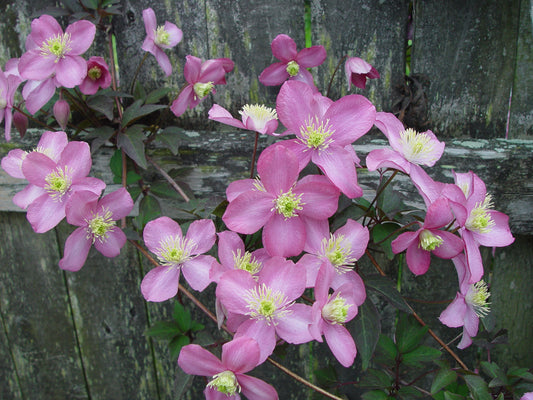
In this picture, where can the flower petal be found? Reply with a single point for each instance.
(249, 212)
(82, 35)
(77, 248)
(157, 230)
(196, 271)
(195, 360)
(254, 388)
(341, 344)
(112, 244)
(202, 232)
(284, 236)
(71, 71)
(160, 283)
(240, 355)
(283, 48)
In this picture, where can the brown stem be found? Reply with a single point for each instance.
(378, 193)
(375, 263)
(124, 181)
(29, 116)
(335, 72)
(169, 179)
(137, 72)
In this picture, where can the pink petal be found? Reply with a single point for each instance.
(43, 28)
(263, 333)
(356, 235)
(80, 206)
(54, 143)
(12, 163)
(27, 196)
(77, 157)
(150, 22)
(229, 244)
(278, 170)
(195, 360)
(337, 164)
(404, 241)
(196, 271)
(236, 188)
(499, 235)
(284, 48)
(254, 388)
(341, 344)
(39, 95)
(163, 61)
(202, 232)
(249, 212)
(111, 245)
(240, 355)
(179, 106)
(34, 66)
(294, 328)
(387, 158)
(311, 264)
(294, 105)
(453, 315)
(192, 68)
(284, 237)
(160, 283)
(220, 114)
(118, 202)
(473, 256)
(391, 128)
(231, 290)
(451, 246)
(319, 196)
(417, 259)
(71, 71)
(82, 35)
(36, 167)
(45, 213)
(77, 248)
(157, 230)
(274, 75)
(311, 56)
(282, 275)
(174, 35)
(438, 215)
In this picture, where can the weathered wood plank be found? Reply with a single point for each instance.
(9, 382)
(356, 28)
(36, 314)
(466, 51)
(521, 118)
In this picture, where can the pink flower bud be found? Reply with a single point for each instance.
(62, 113)
(21, 123)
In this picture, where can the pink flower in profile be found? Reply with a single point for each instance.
(201, 79)
(429, 239)
(292, 63)
(266, 305)
(8, 87)
(50, 52)
(98, 76)
(62, 113)
(357, 71)
(159, 38)
(325, 131)
(469, 304)
(164, 238)
(286, 208)
(408, 146)
(54, 182)
(255, 117)
(331, 312)
(228, 377)
(95, 219)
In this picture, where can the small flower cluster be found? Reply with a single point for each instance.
(259, 292)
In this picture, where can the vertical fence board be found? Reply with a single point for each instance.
(521, 122)
(9, 382)
(363, 28)
(34, 305)
(466, 52)
(110, 317)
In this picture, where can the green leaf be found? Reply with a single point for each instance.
(390, 202)
(136, 111)
(164, 330)
(139, 92)
(388, 350)
(385, 287)
(409, 392)
(496, 373)
(375, 395)
(522, 373)
(182, 317)
(367, 331)
(149, 209)
(115, 164)
(90, 4)
(176, 344)
(442, 379)
(132, 142)
(164, 190)
(420, 355)
(135, 192)
(409, 333)
(220, 209)
(453, 396)
(102, 104)
(156, 95)
(478, 387)
(326, 376)
(376, 379)
(383, 234)
(171, 137)
(196, 326)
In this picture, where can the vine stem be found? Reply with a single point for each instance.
(169, 179)
(334, 73)
(213, 317)
(137, 72)
(378, 193)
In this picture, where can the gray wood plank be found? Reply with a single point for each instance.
(465, 50)
(9, 382)
(36, 313)
(356, 28)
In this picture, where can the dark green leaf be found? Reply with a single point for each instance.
(182, 317)
(390, 202)
(387, 349)
(101, 135)
(478, 387)
(164, 190)
(420, 355)
(375, 395)
(139, 92)
(385, 287)
(135, 192)
(171, 137)
(156, 95)
(326, 376)
(520, 373)
(136, 111)
(367, 331)
(376, 379)
(90, 4)
(163, 330)
(220, 209)
(409, 392)
(453, 396)
(176, 344)
(496, 373)
(196, 326)
(149, 209)
(409, 333)
(116, 164)
(384, 235)
(132, 142)
(102, 104)
(442, 379)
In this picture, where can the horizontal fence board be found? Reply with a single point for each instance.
(464, 53)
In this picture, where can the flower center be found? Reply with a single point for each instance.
(480, 219)
(336, 310)
(162, 37)
(225, 382)
(316, 134)
(57, 183)
(203, 89)
(338, 252)
(417, 147)
(175, 250)
(477, 297)
(94, 73)
(429, 241)
(259, 114)
(99, 225)
(56, 46)
(246, 262)
(265, 304)
(288, 203)
(292, 68)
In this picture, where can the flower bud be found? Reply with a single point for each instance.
(21, 123)
(62, 113)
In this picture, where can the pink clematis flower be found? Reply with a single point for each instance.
(159, 38)
(292, 63)
(286, 208)
(8, 87)
(164, 238)
(357, 71)
(331, 312)
(98, 76)
(429, 239)
(54, 182)
(469, 304)
(325, 131)
(50, 52)
(408, 146)
(228, 377)
(267, 305)
(95, 219)
(527, 396)
(255, 117)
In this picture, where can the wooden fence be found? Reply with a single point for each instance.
(81, 335)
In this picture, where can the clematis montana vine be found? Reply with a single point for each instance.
(292, 63)
(227, 375)
(98, 76)
(325, 131)
(95, 219)
(164, 238)
(357, 71)
(255, 117)
(286, 208)
(159, 38)
(201, 79)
